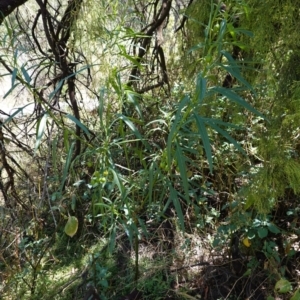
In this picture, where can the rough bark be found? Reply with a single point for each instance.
(8, 6)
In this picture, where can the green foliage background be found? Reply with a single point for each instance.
(173, 149)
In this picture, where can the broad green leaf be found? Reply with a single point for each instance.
(205, 140)
(41, 126)
(262, 232)
(283, 286)
(296, 295)
(72, 226)
(273, 228)
(78, 123)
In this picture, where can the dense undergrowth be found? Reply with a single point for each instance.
(181, 183)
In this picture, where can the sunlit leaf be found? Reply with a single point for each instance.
(72, 226)
(283, 286)
(41, 126)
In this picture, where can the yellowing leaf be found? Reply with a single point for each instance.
(246, 242)
(71, 226)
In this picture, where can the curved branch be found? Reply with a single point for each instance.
(164, 12)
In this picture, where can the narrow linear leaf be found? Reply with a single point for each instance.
(244, 31)
(78, 123)
(181, 162)
(101, 105)
(228, 137)
(205, 141)
(236, 98)
(200, 88)
(197, 47)
(112, 239)
(14, 76)
(223, 27)
(175, 127)
(40, 131)
(15, 113)
(219, 122)
(66, 134)
(234, 71)
(10, 90)
(58, 86)
(135, 131)
(151, 181)
(132, 98)
(26, 75)
(60, 83)
(177, 205)
(118, 182)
